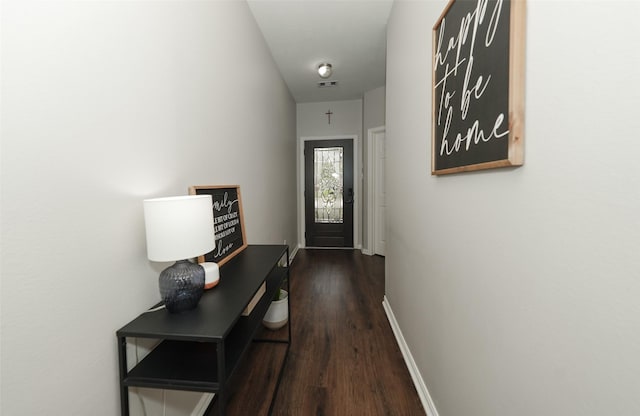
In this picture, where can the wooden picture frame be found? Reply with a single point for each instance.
(228, 221)
(478, 86)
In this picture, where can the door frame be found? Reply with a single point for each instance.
(371, 175)
(357, 179)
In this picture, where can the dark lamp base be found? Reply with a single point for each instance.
(181, 286)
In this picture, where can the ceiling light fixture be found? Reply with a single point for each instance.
(324, 70)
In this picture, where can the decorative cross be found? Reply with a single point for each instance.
(328, 113)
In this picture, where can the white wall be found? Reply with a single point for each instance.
(105, 104)
(373, 108)
(518, 290)
(346, 120)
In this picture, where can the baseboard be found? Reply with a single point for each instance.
(202, 404)
(367, 252)
(292, 255)
(418, 382)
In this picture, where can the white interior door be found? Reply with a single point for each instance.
(380, 199)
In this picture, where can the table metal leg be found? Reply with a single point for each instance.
(124, 390)
(222, 399)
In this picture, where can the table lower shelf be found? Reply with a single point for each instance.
(178, 365)
(184, 365)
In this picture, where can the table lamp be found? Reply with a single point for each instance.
(178, 229)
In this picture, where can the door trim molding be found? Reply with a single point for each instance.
(371, 154)
(357, 180)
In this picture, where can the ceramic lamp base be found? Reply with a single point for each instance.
(181, 286)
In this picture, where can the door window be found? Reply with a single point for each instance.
(328, 184)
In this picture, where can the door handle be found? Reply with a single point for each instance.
(349, 197)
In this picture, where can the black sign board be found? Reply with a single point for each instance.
(478, 86)
(228, 222)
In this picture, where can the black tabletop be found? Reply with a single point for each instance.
(219, 307)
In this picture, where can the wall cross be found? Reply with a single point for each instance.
(328, 113)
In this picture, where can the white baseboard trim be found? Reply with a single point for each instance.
(292, 255)
(418, 382)
(367, 252)
(202, 404)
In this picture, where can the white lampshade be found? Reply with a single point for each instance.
(179, 227)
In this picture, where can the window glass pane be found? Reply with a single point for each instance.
(328, 183)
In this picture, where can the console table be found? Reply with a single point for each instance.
(200, 349)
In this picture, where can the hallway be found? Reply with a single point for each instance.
(344, 359)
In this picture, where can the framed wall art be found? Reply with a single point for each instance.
(478, 86)
(228, 221)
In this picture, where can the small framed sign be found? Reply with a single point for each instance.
(478, 86)
(228, 221)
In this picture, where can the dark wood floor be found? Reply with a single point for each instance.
(344, 360)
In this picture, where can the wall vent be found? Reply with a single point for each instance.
(327, 84)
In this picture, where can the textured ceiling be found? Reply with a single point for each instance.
(349, 34)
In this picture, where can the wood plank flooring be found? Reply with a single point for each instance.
(344, 360)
